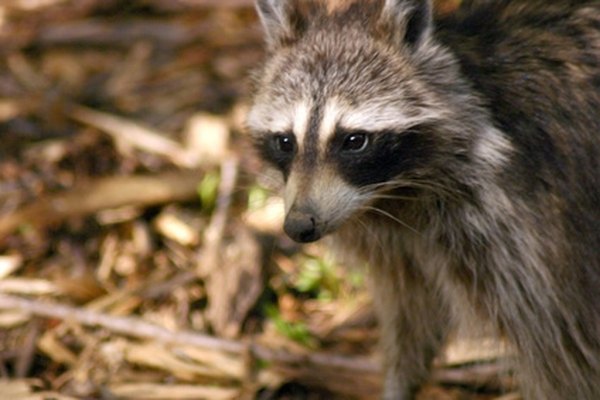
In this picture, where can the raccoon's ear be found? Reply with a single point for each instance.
(280, 19)
(411, 21)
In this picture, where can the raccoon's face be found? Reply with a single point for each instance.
(335, 110)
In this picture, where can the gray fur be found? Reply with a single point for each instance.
(486, 210)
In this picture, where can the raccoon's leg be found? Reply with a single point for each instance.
(413, 328)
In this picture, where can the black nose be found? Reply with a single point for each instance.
(302, 226)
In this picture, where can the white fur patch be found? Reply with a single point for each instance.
(291, 191)
(334, 108)
(300, 122)
(265, 117)
(378, 116)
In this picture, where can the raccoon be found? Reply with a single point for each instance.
(459, 158)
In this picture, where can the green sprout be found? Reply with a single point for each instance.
(208, 190)
(319, 277)
(296, 331)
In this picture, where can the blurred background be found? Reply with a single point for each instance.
(141, 252)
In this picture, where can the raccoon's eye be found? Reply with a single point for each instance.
(284, 143)
(355, 142)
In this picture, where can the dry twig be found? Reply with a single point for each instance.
(213, 235)
(131, 134)
(314, 368)
(140, 329)
(103, 194)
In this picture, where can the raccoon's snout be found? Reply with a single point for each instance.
(302, 225)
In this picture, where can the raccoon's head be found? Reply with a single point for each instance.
(345, 105)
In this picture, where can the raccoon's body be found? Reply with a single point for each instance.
(460, 159)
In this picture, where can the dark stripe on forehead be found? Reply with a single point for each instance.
(310, 153)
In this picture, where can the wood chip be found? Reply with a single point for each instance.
(28, 286)
(160, 357)
(13, 318)
(178, 227)
(27, 389)
(207, 136)
(228, 364)
(9, 264)
(464, 351)
(150, 391)
(57, 351)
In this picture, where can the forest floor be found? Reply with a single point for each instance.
(141, 253)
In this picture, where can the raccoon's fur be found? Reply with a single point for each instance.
(460, 159)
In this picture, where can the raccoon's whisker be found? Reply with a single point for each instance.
(396, 183)
(369, 232)
(392, 217)
(432, 187)
(262, 179)
(435, 185)
(427, 185)
(383, 196)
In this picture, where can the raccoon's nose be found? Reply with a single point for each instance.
(302, 226)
